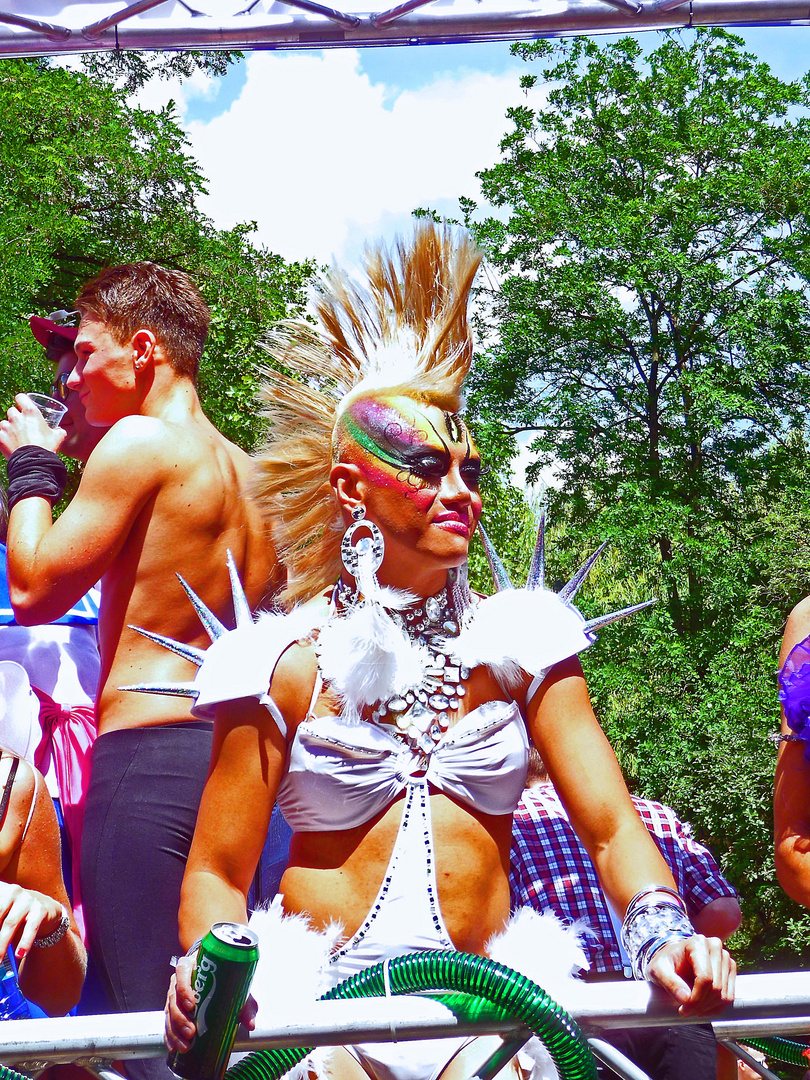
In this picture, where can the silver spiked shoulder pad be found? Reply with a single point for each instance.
(526, 631)
(239, 663)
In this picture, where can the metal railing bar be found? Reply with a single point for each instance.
(386, 17)
(332, 14)
(616, 1061)
(431, 24)
(48, 30)
(625, 5)
(500, 1056)
(749, 1059)
(94, 29)
(103, 1070)
(667, 5)
(637, 1004)
(750, 1029)
(764, 1002)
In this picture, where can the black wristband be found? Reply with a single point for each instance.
(33, 470)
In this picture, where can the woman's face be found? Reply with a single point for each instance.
(421, 469)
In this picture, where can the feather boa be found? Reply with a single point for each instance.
(293, 970)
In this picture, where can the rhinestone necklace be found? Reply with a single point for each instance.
(420, 717)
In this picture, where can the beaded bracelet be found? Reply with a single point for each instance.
(655, 916)
(55, 936)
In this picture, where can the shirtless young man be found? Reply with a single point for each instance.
(163, 491)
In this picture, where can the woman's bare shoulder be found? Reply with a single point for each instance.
(23, 791)
(797, 628)
(296, 672)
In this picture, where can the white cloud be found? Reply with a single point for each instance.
(312, 151)
(157, 92)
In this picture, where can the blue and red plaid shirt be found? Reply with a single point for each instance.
(550, 869)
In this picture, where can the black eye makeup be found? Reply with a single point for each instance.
(471, 471)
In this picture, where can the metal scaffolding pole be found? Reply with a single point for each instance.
(765, 1004)
(296, 24)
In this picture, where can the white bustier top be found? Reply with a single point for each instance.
(341, 774)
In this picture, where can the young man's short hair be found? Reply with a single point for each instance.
(143, 295)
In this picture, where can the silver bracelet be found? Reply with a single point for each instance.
(655, 916)
(57, 935)
(649, 950)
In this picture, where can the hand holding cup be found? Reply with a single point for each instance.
(28, 425)
(51, 408)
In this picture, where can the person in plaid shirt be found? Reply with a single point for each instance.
(550, 870)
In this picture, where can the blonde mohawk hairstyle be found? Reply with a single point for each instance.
(404, 332)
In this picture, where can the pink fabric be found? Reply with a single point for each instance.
(68, 735)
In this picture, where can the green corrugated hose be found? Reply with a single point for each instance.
(516, 996)
(792, 1053)
(9, 1074)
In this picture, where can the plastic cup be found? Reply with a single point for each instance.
(51, 409)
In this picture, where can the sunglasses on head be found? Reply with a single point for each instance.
(60, 388)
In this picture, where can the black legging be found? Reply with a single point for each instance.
(145, 790)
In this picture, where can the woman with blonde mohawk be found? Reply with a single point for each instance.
(389, 711)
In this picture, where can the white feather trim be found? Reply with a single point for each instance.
(293, 961)
(538, 946)
(395, 599)
(521, 630)
(315, 1066)
(546, 951)
(541, 947)
(367, 658)
(374, 593)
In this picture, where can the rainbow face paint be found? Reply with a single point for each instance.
(420, 470)
(394, 438)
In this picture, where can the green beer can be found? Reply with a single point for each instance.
(226, 960)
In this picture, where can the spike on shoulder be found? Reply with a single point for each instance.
(241, 607)
(175, 689)
(569, 591)
(592, 625)
(537, 571)
(497, 569)
(213, 626)
(189, 652)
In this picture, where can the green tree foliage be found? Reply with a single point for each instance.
(652, 331)
(87, 180)
(131, 70)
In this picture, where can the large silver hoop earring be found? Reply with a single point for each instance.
(364, 542)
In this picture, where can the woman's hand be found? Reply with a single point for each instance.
(27, 915)
(698, 972)
(180, 1005)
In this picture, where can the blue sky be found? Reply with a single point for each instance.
(783, 48)
(326, 150)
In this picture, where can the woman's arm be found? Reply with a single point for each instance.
(582, 765)
(791, 802)
(32, 898)
(247, 758)
(247, 762)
